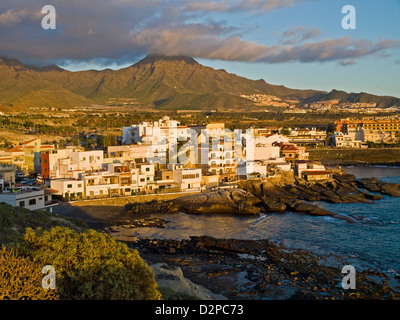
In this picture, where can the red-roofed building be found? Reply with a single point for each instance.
(291, 152)
(27, 156)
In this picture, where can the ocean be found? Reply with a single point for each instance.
(373, 242)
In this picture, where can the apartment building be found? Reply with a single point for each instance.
(29, 153)
(307, 137)
(370, 130)
(370, 124)
(29, 198)
(217, 153)
(119, 179)
(341, 140)
(69, 189)
(188, 179)
(164, 129)
(70, 162)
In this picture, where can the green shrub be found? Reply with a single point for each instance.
(21, 279)
(91, 265)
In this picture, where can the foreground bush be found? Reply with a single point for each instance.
(21, 279)
(91, 265)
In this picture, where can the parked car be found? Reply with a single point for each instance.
(31, 182)
(25, 180)
(19, 175)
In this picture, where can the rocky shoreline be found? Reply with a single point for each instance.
(258, 269)
(253, 197)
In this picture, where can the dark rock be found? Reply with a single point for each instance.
(234, 201)
(273, 206)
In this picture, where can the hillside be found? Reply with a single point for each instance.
(160, 82)
(342, 96)
(15, 220)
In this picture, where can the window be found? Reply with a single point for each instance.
(79, 185)
(69, 186)
(22, 203)
(147, 169)
(32, 202)
(148, 178)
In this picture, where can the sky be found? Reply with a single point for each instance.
(297, 43)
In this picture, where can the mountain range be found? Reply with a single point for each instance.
(160, 82)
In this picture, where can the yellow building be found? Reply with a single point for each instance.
(30, 152)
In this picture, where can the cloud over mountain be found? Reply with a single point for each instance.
(123, 30)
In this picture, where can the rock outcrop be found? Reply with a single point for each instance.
(375, 185)
(235, 201)
(172, 277)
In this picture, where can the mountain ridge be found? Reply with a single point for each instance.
(161, 82)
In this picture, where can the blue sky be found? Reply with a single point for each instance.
(374, 74)
(296, 43)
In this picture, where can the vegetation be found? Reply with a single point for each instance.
(21, 279)
(15, 220)
(89, 264)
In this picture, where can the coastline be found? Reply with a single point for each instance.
(231, 267)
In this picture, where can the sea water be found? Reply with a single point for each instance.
(373, 242)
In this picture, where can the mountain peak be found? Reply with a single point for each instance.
(154, 58)
(9, 62)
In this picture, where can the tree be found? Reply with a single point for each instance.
(91, 265)
(285, 131)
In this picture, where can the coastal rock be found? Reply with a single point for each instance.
(390, 189)
(172, 277)
(273, 206)
(375, 185)
(234, 201)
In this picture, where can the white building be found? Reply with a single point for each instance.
(69, 189)
(307, 166)
(260, 152)
(342, 140)
(188, 179)
(160, 131)
(70, 162)
(29, 198)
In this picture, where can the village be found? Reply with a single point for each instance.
(166, 157)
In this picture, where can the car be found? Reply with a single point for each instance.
(31, 182)
(19, 175)
(25, 180)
